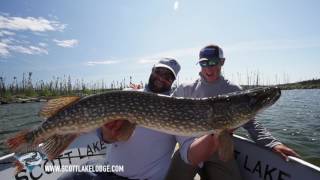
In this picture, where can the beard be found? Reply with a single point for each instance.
(157, 86)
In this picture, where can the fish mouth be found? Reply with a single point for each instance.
(261, 98)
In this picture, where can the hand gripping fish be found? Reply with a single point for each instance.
(68, 117)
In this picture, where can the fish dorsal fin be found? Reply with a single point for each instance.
(55, 105)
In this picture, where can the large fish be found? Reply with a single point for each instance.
(67, 117)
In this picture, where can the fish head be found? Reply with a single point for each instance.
(261, 98)
(232, 110)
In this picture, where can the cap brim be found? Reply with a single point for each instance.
(206, 59)
(168, 67)
(203, 59)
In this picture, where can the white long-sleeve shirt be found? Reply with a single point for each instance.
(147, 153)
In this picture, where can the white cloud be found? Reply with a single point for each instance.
(31, 50)
(43, 44)
(6, 33)
(7, 47)
(4, 49)
(176, 5)
(38, 50)
(8, 40)
(15, 42)
(30, 23)
(147, 61)
(93, 63)
(66, 43)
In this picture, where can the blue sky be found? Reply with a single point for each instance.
(112, 40)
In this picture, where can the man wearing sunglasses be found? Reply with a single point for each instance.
(212, 83)
(147, 153)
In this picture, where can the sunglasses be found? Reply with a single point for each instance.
(209, 63)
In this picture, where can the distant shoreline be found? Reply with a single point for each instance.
(310, 84)
(22, 100)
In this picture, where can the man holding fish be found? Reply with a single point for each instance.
(147, 154)
(157, 117)
(212, 83)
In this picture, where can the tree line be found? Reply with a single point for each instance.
(57, 86)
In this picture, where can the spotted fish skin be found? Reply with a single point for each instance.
(178, 116)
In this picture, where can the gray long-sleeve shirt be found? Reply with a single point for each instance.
(201, 88)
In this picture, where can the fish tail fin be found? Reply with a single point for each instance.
(226, 146)
(20, 140)
(56, 144)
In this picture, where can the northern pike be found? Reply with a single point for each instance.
(67, 117)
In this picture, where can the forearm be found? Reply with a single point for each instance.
(260, 134)
(202, 149)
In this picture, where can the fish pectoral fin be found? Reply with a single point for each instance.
(126, 131)
(226, 146)
(21, 141)
(19, 166)
(56, 144)
(55, 105)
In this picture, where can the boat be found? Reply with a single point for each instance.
(255, 162)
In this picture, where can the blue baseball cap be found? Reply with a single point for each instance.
(211, 52)
(169, 63)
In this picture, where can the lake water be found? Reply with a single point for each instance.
(294, 120)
